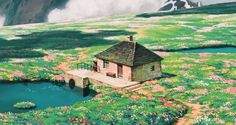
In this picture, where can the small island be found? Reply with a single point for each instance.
(25, 105)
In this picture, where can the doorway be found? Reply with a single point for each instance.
(120, 71)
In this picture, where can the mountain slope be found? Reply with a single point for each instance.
(223, 8)
(27, 11)
(172, 5)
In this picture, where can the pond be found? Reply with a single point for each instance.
(43, 94)
(210, 50)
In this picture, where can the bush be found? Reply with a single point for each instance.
(25, 105)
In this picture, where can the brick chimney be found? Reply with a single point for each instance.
(131, 38)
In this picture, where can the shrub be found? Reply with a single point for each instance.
(25, 105)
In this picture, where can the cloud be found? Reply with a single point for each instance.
(2, 20)
(78, 9)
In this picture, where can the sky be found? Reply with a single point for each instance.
(78, 9)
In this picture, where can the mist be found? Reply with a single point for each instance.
(79, 9)
(2, 20)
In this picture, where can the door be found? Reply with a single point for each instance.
(95, 66)
(120, 71)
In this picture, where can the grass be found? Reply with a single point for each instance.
(45, 51)
(25, 105)
(118, 109)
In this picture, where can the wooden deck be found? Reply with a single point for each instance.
(82, 77)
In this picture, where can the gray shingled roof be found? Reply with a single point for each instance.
(129, 53)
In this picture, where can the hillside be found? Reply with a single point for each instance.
(223, 8)
(28, 11)
(201, 83)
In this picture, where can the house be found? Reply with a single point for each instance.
(130, 61)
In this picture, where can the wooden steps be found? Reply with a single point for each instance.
(133, 88)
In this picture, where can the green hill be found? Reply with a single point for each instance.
(223, 8)
(203, 83)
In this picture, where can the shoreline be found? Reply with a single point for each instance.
(30, 81)
(194, 48)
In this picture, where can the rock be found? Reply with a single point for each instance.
(172, 5)
(230, 90)
(1, 115)
(179, 88)
(158, 88)
(28, 11)
(134, 98)
(201, 91)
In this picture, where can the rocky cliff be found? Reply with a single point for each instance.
(28, 11)
(172, 5)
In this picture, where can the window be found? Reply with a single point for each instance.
(153, 68)
(105, 64)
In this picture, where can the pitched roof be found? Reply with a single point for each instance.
(129, 53)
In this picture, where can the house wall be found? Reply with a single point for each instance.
(144, 73)
(113, 68)
(127, 73)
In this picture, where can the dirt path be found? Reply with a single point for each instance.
(188, 119)
(194, 109)
(82, 55)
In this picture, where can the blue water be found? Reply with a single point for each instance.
(43, 94)
(211, 50)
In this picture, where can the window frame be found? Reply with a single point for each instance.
(105, 64)
(153, 68)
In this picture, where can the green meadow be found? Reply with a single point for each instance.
(44, 51)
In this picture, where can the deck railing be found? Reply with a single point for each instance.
(86, 66)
